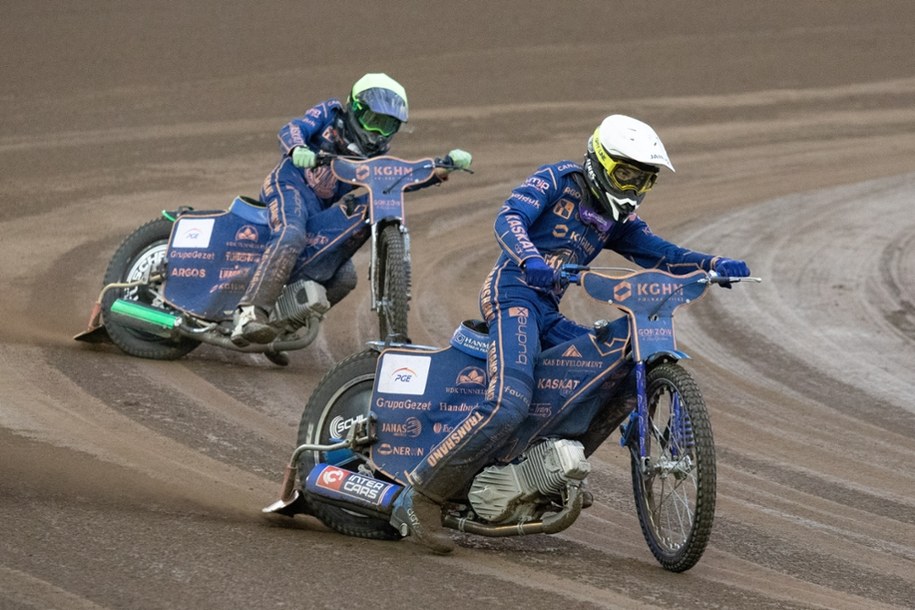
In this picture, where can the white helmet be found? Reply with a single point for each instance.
(622, 164)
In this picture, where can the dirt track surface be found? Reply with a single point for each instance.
(127, 483)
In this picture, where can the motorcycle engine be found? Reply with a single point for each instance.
(300, 301)
(515, 492)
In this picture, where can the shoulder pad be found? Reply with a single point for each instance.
(567, 167)
(560, 168)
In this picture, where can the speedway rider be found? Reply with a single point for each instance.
(307, 208)
(563, 213)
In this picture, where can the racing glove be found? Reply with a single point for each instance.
(727, 267)
(537, 273)
(303, 157)
(460, 158)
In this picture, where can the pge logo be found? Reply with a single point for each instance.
(622, 291)
(403, 375)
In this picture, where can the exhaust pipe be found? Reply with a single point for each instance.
(551, 524)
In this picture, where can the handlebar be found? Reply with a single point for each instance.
(447, 163)
(714, 278)
(571, 274)
(325, 158)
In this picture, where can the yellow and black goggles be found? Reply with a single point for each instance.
(625, 175)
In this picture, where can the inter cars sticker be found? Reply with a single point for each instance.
(404, 374)
(332, 482)
(193, 233)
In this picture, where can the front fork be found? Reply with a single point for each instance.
(634, 433)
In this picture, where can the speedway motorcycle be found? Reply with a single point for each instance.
(378, 413)
(175, 282)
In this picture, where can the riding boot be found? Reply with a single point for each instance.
(251, 320)
(421, 517)
(250, 325)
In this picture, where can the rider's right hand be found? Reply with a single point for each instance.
(727, 267)
(538, 274)
(303, 157)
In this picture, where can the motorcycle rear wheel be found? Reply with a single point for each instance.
(675, 495)
(142, 250)
(344, 393)
(393, 284)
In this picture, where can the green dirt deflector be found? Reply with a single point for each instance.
(145, 313)
(144, 317)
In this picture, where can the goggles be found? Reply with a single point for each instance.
(384, 124)
(625, 175)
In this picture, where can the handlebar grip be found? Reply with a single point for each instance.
(447, 162)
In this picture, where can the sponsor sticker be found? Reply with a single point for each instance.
(404, 374)
(193, 233)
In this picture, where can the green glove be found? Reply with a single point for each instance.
(460, 158)
(303, 157)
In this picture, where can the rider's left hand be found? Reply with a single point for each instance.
(461, 159)
(538, 274)
(303, 157)
(727, 267)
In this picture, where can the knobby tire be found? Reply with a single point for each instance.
(393, 284)
(139, 250)
(676, 511)
(343, 393)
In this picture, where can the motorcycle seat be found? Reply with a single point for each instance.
(472, 338)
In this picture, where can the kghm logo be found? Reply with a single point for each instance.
(246, 233)
(362, 172)
(655, 289)
(622, 291)
(392, 170)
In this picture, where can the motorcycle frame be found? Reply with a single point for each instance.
(381, 177)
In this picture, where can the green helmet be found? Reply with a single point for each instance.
(375, 109)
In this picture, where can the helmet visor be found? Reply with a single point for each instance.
(628, 177)
(373, 121)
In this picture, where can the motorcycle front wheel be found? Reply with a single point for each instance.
(142, 251)
(674, 486)
(343, 394)
(392, 283)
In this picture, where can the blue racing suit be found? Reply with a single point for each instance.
(313, 234)
(540, 218)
